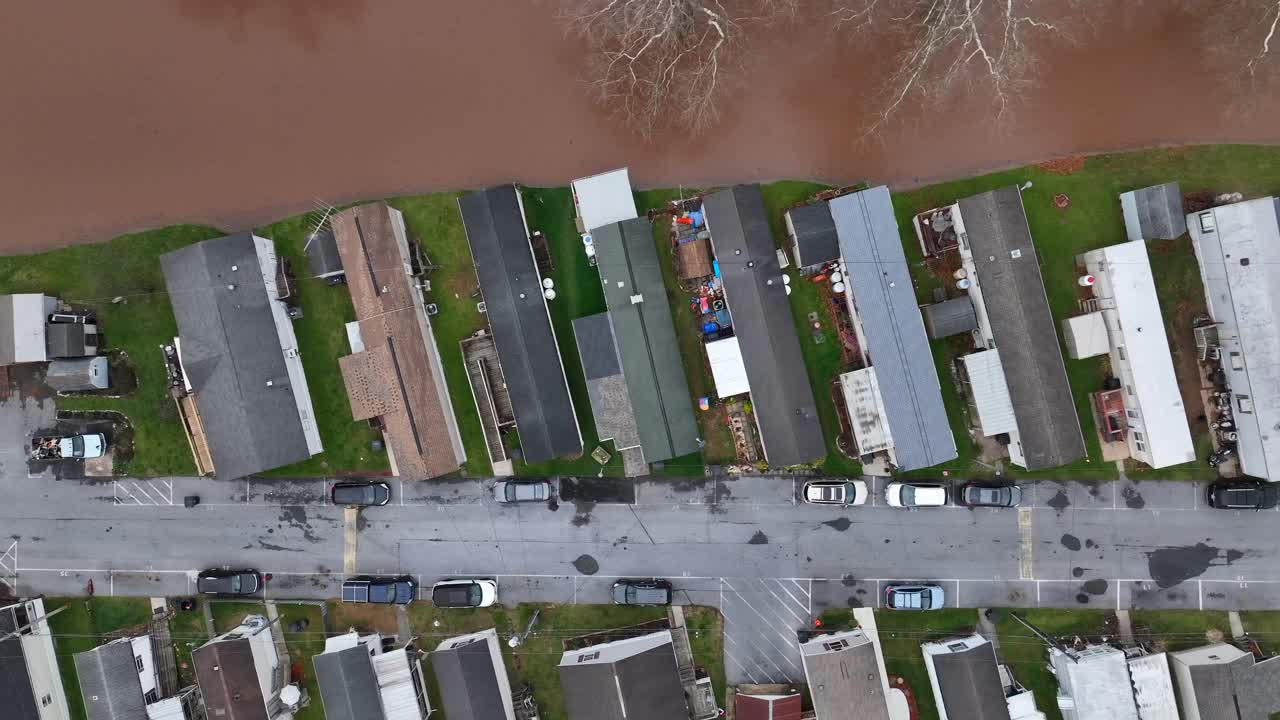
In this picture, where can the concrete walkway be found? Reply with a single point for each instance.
(1237, 625)
(1125, 625)
(987, 629)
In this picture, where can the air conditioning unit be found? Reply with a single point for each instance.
(480, 307)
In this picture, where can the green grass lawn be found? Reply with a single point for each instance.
(902, 633)
(1174, 630)
(717, 439)
(82, 626)
(322, 339)
(1027, 656)
(188, 630)
(578, 294)
(435, 222)
(1265, 628)
(304, 645)
(706, 638)
(228, 614)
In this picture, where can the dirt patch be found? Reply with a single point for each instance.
(1064, 166)
(363, 618)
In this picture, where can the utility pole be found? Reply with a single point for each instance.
(1046, 638)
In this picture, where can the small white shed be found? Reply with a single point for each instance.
(603, 199)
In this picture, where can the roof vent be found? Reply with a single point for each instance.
(1015, 253)
(231, 286)
(235, 268)
(1244, 261)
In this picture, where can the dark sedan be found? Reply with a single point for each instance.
(361, 494)
(1243, 495)
(229, 582)
(983, 495)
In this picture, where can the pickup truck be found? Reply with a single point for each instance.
(54, 447)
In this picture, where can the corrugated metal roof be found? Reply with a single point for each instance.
(885, 302)
(1124, 275)
(1095, 685)
(1240, 266)
(396, 687)
(990, 392)
(640, 314)
(521, 323)
(1154, 213)
(781, 396)
(865, 408)
(1008, 273)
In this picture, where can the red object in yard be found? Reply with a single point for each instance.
(817, 622)
(819, 277)
(684, 221)
(704, 305)
(267, 577)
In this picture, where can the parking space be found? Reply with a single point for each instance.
(142, 492)
(761, 619)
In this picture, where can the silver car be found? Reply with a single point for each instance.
(915, 597)
(514, 491)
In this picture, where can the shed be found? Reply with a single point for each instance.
(23, 318)
(1086, 336)
(950, 317)
(844, 677)
(813, 236)
(1154, 213)
(79, 374)
(472, 677)
(865, 408)
(767, 707)
(965, 677)
(72, 340)
(727, 369)
(990, 392)
(603, 199)
(323, 257)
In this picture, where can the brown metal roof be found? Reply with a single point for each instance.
(767, 707)
(228, 680)
(401, 358)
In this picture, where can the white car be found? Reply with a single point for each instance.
(835, 492)
(464, 593)
(915, 494)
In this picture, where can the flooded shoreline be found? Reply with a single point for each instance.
(237, 112)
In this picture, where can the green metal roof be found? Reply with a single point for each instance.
(641, 315)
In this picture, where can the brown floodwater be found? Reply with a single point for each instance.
(126, 115)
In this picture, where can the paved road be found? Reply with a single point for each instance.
(743, 545)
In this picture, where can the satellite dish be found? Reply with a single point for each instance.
(290, 695)
(836, 277)
(548, 283)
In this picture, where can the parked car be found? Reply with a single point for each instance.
(915, 494)
(381, 590)
(835, 492)
(360, 494)
(984, 495)
(58, 447)
(513, 491)
(642, 592)
(914, 597)
(464, 593)
(1243, 495)
(229, 582)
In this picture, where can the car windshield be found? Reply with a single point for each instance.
(908, 495)
(510, 491)
(236, 583)
(77, 445)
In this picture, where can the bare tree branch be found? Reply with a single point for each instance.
(665, 62)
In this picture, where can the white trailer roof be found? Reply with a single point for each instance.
(990, 393)
(604, 199)
(865, 406)
(1129, 281)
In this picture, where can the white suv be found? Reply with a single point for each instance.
(915, 494)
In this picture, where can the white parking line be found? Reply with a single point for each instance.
(149, 492)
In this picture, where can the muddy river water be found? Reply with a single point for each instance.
(118, 116)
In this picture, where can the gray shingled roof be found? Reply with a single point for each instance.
(845, 684)
(230, 350)
(348, 684)
(109, 683)
(521, 324)
(66, 340)
(323, 257)
(885, 298)
(780, 392)
(1258, 690)
(16, 695)
(1154, 213)
(647, 684)
(950, 317)
(969, 682)
(610, 398)
(646, 338)
(468, 680)
(1024, 329)
(815, 234)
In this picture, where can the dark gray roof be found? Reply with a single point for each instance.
(815, 234)
(950, 317)
(348, 685)
(969, 682)
(468, 680)
(845, 683)
(646, 338)
(521, 324)
(109, 683)
(1154, 213)
(1025, 332)
(1236, 690)
(885, 299)
(596, 346)
(323, 257)
(66, 340)
(16, 695)
(230, 350)
(647, 684)
(229, 681)
(1258, 689)
(780, 392)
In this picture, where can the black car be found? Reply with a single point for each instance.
(380, 590)
(984, 495)
(1243, 495)
(642, 592)
(229, 582)
(361, 494)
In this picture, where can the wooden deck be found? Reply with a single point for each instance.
(489, 390)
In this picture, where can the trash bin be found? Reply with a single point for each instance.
(191, 501)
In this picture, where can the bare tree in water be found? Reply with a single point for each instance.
(1244, 34)
(662, 63)
(948, 46)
